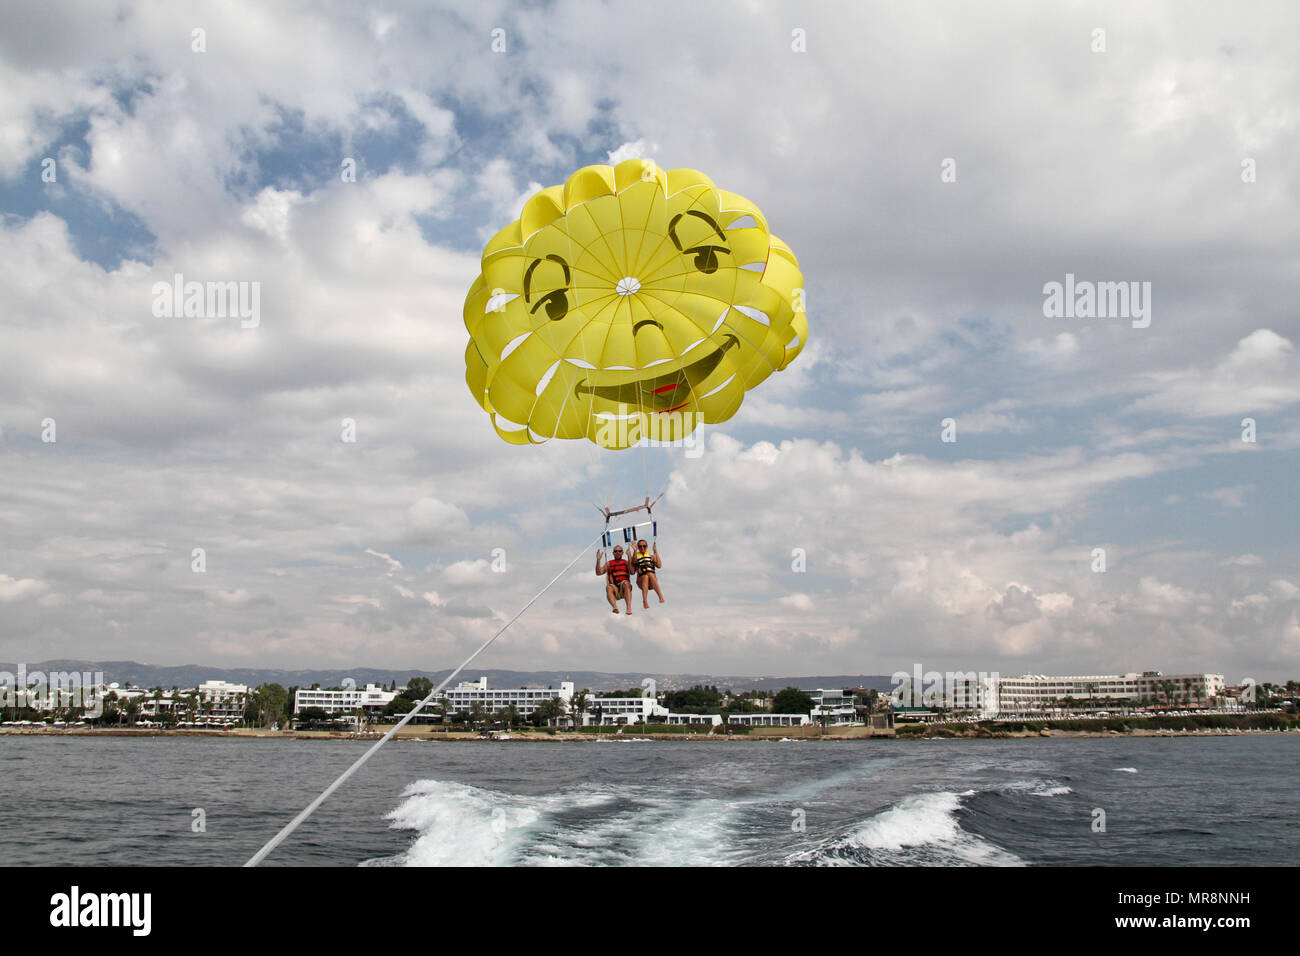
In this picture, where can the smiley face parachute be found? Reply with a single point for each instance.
(629, 303)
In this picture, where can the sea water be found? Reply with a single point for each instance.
(1165, 801)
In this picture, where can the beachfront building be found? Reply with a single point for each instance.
(621, 710)
(974, 694)
(345, 700)
(712, 720)
(155, 704)
(220, 702)
(463, 697)
(769, 720)
(1036, 693)
(833, 706)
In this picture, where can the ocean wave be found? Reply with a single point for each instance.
(461, 825)
(1126, 769)
(920, 830)
(1036, 788)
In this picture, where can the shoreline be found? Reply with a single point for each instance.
(249, 733)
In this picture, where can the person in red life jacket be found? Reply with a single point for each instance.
(646, 563)
(618, 574)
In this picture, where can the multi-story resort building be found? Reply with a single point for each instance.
(525, 700)
(609, 711)
(621, 710)
(1033, 693)
(832, 706)
(344, 701)
(221, 702)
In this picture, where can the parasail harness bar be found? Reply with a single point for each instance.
(647, 507)
(629, 533)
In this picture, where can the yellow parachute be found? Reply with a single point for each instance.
(629, 303)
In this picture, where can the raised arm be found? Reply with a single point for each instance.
(600, 561)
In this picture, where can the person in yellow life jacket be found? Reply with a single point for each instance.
(618, 574)
(646, 563)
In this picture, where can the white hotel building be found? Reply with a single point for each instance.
(525, 700)
(1033, 693)
(599, 710)
(770, 720)
(621, 710)
(835, 706)
(372, 697)
(221, 702)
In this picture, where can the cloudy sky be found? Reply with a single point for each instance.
(932, 167)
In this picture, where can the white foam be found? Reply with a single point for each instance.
(696, 834)
(1037, 788)
(914, 821)
(1126, 769)
(467, 826)
(918, 830)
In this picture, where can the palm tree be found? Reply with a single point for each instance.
(579, 706)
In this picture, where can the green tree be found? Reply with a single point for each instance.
(792, 701)
(417, 688)
(314, 716)
(579, 706)
(698, 700)
(269, 703)
(547, 710)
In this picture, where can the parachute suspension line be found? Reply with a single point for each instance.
(645, 476)
(293, 824)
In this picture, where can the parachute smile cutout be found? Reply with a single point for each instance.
(663, 392)
(629, 292)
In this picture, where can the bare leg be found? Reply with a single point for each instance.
(645, 590)
(627, 595)
(654, 583)
(609, 596)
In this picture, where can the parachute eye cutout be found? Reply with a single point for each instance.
(706, 256)
(557, 301)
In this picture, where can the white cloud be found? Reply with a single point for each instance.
(796, 602)
(15, 589)
(464, 573)
(1261, 374)
(393, 564)
(200, 433)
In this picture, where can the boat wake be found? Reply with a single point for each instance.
(604, 824)
(921, 830)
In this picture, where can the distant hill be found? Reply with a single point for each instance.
(189, 675)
